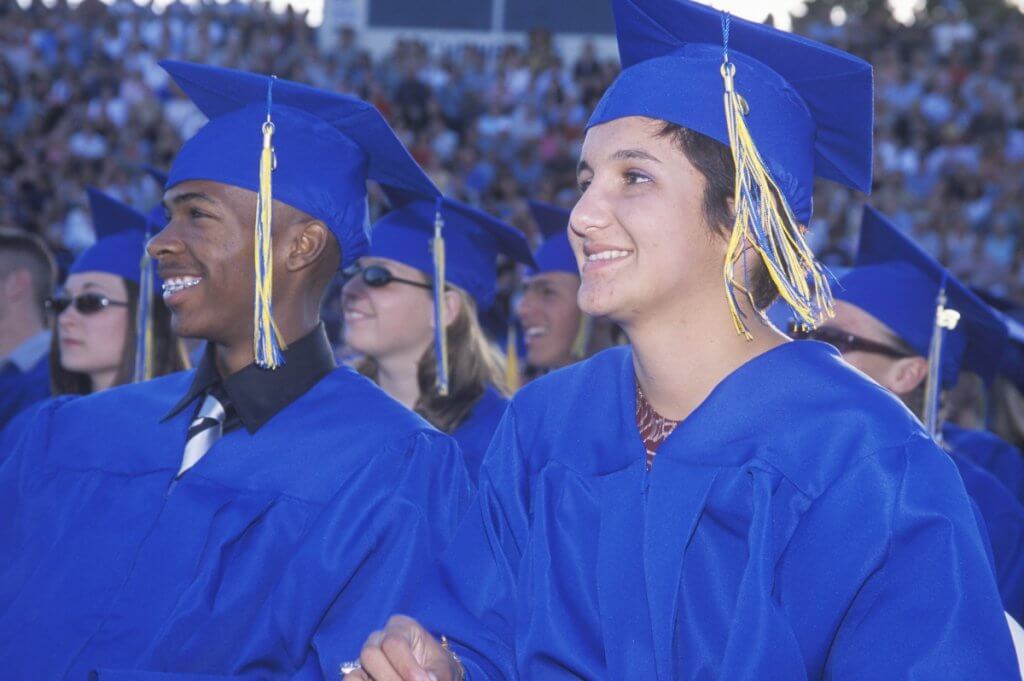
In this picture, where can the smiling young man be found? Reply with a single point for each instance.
(217, 522)
(555, 331)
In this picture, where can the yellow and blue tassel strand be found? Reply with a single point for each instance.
(143, 370)
(581, 341)
(267, 342)
(512, 358)
(765, 222)
(440, 318)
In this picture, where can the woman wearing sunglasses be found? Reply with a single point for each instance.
(712, 501)
(97, 338)
(391, 319)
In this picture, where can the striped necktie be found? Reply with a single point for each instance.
(206, 428)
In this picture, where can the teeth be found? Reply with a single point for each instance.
(535, 331)
(175, 284)
(607, 255)
(352, 315)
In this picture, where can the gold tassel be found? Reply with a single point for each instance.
(267, 342)
(144, 320)
(765, 222)
(582, 340)
(512, 358)
(440, 318)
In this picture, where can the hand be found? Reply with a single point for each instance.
(404, 651)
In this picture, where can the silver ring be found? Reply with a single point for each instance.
(349, 667)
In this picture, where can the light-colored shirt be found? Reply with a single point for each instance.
(28, 354)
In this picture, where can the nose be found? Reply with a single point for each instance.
(166, 242)
(590, 213)
(526, 306)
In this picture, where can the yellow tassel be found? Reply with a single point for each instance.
(512, 358)
(765, 222)
(144, 321)
(267, 341)
(440, 318)
(582, 339)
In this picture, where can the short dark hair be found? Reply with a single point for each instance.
(19, 249)
(714, 161)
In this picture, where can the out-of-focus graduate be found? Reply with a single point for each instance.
(216, 521)
(110, 327)
(556, 332)
(889, 325)
(714, 500)
(411, 307)
(28, 275)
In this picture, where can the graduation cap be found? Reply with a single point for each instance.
(465, 255)
(554, 253)
(156, 215)
(121, 236)
(308, 148)
(794, 109)
(906, 289)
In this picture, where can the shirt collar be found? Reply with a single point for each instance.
(256, 394)
(31, 350)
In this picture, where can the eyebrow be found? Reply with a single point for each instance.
(633, 154)
(621, 155)
(189, 196)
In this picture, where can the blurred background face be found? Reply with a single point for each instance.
(638, 230)
(550, 318)
(93, 344)
(899, 375)
(391, 321)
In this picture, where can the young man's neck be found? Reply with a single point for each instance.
(232, 358)
(398, 376)
(16, 328)
(681, 354)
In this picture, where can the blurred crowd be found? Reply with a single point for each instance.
(83, 101)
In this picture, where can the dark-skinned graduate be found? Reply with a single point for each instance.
(713, 500)
(214, 522)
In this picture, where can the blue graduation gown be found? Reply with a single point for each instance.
(1003, 523)
(19, 390)
(991, 452)
(799, 524)
(322, 518)
(475, 433)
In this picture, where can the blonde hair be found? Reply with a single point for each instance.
(473, 365)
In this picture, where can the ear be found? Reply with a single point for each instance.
(309, 241)
(908, 373)
(452, 307)
(17, 284)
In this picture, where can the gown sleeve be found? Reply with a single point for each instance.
(931, 609)
(471, 598)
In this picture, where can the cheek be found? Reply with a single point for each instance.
(565, 319)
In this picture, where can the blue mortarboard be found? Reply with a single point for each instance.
(898, 283)
(120, 238)
(156, 215)
(308, 148)
(554, 254)
(473, 241)
(793, 109)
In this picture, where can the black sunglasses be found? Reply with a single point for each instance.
(85, 303)
(376, 276)
(844, 342)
